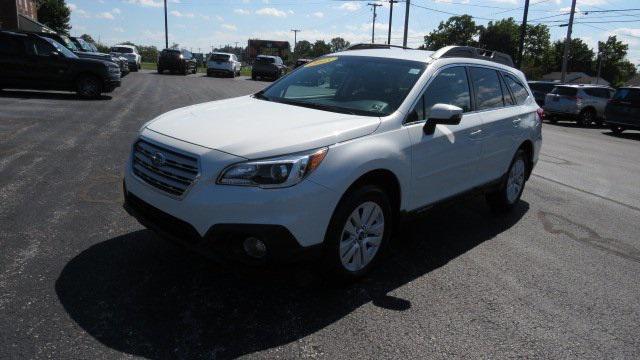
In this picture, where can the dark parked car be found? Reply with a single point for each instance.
(85, 50)
(29, 61)
(301, 62)
(541, 89)
(177, 61)
(268, 67)
(623, 110)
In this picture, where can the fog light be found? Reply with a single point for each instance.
(255, 247)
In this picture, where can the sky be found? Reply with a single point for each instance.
(200, 24)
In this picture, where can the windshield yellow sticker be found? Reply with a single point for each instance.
(322, 61)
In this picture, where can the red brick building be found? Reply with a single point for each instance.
(20, 15)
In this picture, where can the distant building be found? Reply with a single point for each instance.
(268, 47)
(575, 78)
(20, 15)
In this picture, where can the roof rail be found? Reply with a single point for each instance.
(474, 53)
(366, 46)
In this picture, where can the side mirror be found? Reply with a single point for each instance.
(442, 114)
(55, 54)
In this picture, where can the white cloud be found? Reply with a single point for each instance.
(241, 11)
(116, 11)
(350, 6)
(219, 18)
(72, 7)
(118, 29)
(146, 3)
(180, 14)
(105, 15)
(318, 14)
(229, 27)
(271, 12)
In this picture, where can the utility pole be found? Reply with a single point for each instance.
(166, 27)
(373, 25)
(391, 2)
(567, 43)
(599, 67)
(406, 22)
(523, 32)
(295, 41)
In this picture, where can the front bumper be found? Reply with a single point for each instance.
(112, 84)
(299, 214)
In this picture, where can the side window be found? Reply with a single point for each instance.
(506, 96)
(10, 46)
(43, 48)
(486, 85)
(450, 86)
(517, 89)
(417, 114)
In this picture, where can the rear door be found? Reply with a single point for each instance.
(51, 69)
(624, 108)
(563, 99)
(13, 64)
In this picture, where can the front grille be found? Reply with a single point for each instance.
(164, 169)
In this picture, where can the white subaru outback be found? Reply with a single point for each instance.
(331, 156)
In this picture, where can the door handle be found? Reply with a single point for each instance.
(517, 121)
(476, 132)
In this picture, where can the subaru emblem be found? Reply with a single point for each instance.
(158, 159)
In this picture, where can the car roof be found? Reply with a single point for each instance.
(125, 46)
(390, 53)
(220, 53)
(582, 86)
(268, 56)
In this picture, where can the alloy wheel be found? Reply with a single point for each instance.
(515, 182)
(361, 236)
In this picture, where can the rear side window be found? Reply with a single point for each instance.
(517, 89)
(265, 60)
(506, 96)
(628, 95)
(566, 91)
(486, 86)
(10, 46)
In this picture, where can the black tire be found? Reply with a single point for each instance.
(334, 236)
(552, 120)
(195, 70)
(253, 77)
(587, 117)
(160, 70)
(617, 129)
(88, 87)
(135, 68)
(499, 200)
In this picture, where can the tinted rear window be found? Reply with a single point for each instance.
(124, 50)
(486, 84)
(265, 60)
(566, 91)
(220, 57)
(629, 95)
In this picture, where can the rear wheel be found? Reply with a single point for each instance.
(160, 70)
(587, 116)
(507, 196)
(89, 87)
(358, 232)
(616, 129)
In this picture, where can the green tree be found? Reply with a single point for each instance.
(338, 44)
(615, 68)
(303, 49)
(580, 56)
(320, 48)
(148, 53)
(502, 35)
(457, 30)
(537, 56)
(87, 38)
(54, 14)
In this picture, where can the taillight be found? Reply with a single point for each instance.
(540, 113)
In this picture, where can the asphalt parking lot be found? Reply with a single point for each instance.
(79, 278)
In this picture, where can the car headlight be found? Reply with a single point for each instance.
(278, 172)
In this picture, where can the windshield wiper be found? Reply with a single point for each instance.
(323, 107)
(260, 95)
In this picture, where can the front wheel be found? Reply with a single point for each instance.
(586, 117)
(358, 232)
(507, 196)
(616, 129)
(89, 87)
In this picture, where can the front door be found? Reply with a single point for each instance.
(444, 163)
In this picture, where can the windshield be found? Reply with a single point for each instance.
(123, 50)
(350, 84)
(68, 43)
(84, 45)
(219, 57)
(61, 49)
(265, 60)
(168, 52)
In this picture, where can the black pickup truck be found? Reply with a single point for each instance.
(30, 61)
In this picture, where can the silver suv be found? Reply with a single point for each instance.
(583, 103)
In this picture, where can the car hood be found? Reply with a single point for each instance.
(92, 55)
(253, 128)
